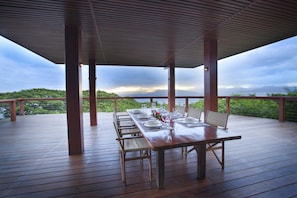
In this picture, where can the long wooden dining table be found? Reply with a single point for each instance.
(182, 135)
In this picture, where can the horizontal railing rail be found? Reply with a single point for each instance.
(279, 101)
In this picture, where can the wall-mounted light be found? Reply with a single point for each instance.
(205, 68)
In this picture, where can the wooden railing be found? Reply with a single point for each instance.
(281, 102)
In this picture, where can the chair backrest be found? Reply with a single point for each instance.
(216, 119)
(116, 127)
(194, 112)
(115, 117)
(181, 109)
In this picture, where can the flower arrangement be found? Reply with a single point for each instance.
(157, 115)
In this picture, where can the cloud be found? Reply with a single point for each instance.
(114, 76)
(22, 69)
(119, 79)
(273, 64)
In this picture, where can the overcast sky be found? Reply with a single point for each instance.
(271, 65)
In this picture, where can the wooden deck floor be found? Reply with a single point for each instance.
(34, 162)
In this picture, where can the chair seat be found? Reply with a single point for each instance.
(134, 144)
(129, 131)
(126, 123)
(123, 116)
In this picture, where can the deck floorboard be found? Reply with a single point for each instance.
(34, 162)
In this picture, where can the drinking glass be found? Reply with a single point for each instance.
(164, 118)
(143, 106)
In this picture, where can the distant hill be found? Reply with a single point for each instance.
(261, 91)
(163, 93)
(47, 93)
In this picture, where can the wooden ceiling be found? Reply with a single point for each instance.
(147, 33)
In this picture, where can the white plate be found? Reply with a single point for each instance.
(143, 116)
(190, 120)
(153, 123)
(180, 120)
(137, 111)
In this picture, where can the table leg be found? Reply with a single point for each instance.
(201, 160)
(160, 173)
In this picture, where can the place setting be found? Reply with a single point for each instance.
(190, 122)
(143, 116)
(153, 123)
(137, 111)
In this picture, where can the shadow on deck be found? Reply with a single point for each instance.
(34, 162)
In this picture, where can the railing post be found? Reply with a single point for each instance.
(22, 107)
(13, 110)
(228, 105)
(115, 104)
(281, 113)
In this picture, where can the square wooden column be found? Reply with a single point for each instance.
(74, 90)
(92, 91)
(210, 75)
(171, 86)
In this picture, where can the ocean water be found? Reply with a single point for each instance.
(179, 101)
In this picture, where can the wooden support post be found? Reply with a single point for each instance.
(92, 88)
(187, 105)
(74, 90)
(210, 74)
(171, 86)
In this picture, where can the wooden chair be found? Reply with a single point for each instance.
(123, 128)
(136, 145)
(218, 120)
(123, 121)
(122, 115)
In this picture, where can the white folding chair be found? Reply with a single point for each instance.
(135, 144)
(181, 109)
(123, 121)
(194, 113)
(125, 127)
(218, 120)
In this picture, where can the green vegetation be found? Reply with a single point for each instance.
(257, 108)
(247, 107)
(59, 106)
